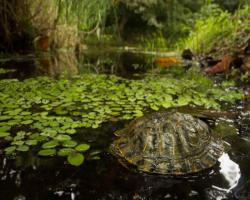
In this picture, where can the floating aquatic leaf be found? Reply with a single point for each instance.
(62, 137)
(95, 158)
(10, 149)
(69, 143)
(49, 132)
(18, 142)
(95, 126)
(31, 142)
(82, 147)
(138, 113)
(22, 148)
(93, 153)
(65, 151)
(50, 144)
(154, 107)
(75, 159)
(27, 122)
(4, 134)
(70, 131)
(25, 113)
(5, 117)
(47, 152)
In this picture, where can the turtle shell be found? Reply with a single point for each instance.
(168, 143)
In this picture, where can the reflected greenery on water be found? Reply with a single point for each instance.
(47, 113)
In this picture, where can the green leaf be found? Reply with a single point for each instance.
(10, 149)
(62, 137)
(4, 128)
(49, 132)
(50, 144)
(138, 113)
(22, 148)
(82, 147)
(75, 159)
(65, 151)
(31, 142)
(71, 131)
(5, 117)
(93, 153)
(4, 134)
(69, 143)
(27, 122)
(47, 152)
(154, 107)
(18, 142)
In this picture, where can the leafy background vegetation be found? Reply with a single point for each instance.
(163, 24)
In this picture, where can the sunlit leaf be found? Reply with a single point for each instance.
(82, 147)
(62, 137)
(50, 144)
(69, 143)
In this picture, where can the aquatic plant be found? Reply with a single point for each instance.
(4, 71)
(46, 114)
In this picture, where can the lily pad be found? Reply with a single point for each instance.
(65, 151)
(31, 142)
(75, 159)
(4, 128)
(62, 137)
(50, 144)
(4, 134)
(82, 147)
(10, 149)
(47, 152)
(22, 148)
(69, 143)
(26, 122)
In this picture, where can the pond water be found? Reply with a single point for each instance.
(28, 176)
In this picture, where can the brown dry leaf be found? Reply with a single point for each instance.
(220, 66)
(166, 62)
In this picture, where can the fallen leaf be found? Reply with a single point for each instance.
(166, 62)
(220, 66)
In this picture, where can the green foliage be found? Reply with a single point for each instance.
(215, 28)
(75, 159)
(49, 112)
(4, 71)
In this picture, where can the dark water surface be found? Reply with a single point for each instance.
(30, 177)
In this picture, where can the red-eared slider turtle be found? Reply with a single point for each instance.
(168, 143)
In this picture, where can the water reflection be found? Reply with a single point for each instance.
(230, 170)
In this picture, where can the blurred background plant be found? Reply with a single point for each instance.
(150, 23)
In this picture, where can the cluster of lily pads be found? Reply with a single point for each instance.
(47, 113)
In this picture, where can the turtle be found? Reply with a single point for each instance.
(170, 143)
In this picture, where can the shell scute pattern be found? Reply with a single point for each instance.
(168, 143)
